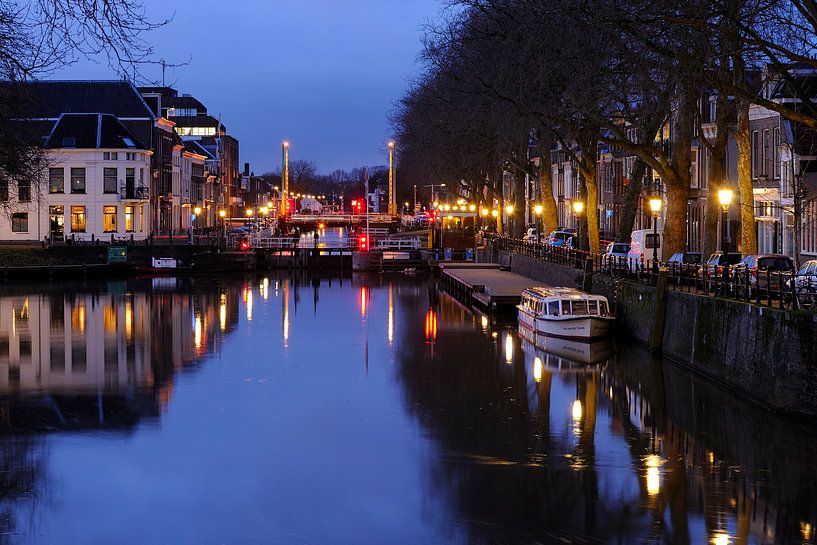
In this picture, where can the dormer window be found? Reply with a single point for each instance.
(128, 142)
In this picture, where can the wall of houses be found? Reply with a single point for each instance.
(84, 194)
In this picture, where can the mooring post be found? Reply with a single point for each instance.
(657, 341)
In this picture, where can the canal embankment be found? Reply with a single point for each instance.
(767, 355)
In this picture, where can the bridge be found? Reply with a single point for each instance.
(340, 219)
(345, 244)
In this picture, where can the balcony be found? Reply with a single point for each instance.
(134, 193)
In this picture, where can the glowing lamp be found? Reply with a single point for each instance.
(725, 198)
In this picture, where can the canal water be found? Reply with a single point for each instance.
(364, 410)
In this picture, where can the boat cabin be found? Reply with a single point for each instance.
(563, 302)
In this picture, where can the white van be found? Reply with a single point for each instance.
(642, 243)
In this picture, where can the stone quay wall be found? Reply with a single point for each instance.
(764, 354)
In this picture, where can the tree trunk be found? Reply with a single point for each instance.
(716, 174)
(550, 214)
(631, 196)
(675, 225)
(518, 216)
(591, 205)
(748, 235)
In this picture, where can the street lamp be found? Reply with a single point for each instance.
(578, 208)
(655, 207)
(537, 210)
(392, 192)
(223, 215)
(725, 199)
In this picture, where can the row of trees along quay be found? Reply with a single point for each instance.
(509, 81)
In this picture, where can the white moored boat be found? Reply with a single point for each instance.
(565, 312)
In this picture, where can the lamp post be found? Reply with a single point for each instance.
(392, 193)
(537, 210)
(284, 176)
(655, 207)
(508, 213)
(223, 215)
(196, 213)
(578, 209)
(725, 199)
(432, 186)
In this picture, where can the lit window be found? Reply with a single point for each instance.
(78, 219)
(129, 219)
(109, 219)
(141, 219)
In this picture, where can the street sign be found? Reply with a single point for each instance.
(117, 254)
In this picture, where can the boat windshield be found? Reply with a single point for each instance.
(578, 307)
(553, 308)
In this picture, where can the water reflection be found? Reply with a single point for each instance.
(572, 441)
(392, 410)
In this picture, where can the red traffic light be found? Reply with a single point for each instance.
(245, 245)
(362, 244)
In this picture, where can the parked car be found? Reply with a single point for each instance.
(644, 243)
(614, 257)
(804, 284)
(683, 266)
(760, 271)
(711, 272)
(559, 237)
(532, 235)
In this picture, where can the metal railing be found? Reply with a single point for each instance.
(776, 289)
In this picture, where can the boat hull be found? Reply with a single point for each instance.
(578, 327)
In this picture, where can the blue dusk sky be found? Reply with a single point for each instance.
(323, 74)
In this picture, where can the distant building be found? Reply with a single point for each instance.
(193, 124)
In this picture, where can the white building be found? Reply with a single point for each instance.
(96, 186)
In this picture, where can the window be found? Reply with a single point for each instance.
(24, 191)
(694, 168)
(4, 190)
(652, 241)
(19, 222)
(131, 156)
(109, 180)
(141, 218)
(130, 178)
(109, 219)
(766, 155)
(755, 154)
(78, 219)
(553, 308)
(56, 180)
(776, 153)
(110, 156)
(77, 180)
(129, 219)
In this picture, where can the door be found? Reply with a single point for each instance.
(56, 218)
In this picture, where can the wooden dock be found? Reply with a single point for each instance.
(485, 285)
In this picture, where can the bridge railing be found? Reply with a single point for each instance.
(397, 244)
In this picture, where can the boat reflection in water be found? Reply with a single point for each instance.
(564, 353)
